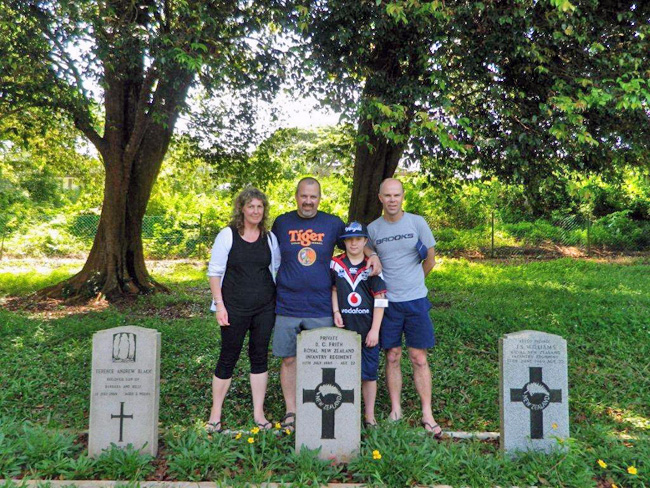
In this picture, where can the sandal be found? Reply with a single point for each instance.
(286, 424)
(435, 429)
(264, 426)
(213, 428)
(370, 425)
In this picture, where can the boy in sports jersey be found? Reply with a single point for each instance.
(358, 304)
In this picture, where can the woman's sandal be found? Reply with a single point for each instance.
(434, 429)
(370, 425)
(213, 428)
(264, 426)
(286, 424)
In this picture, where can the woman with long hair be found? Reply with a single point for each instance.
(245, 258)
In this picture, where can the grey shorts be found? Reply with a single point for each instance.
(287, 329)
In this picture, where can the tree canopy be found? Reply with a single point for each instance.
(516, 88)
(121, 71)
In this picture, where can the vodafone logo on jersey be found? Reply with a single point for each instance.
(354, 299)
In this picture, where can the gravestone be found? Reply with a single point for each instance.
(533, 391)
(125, 389)
(328, 392)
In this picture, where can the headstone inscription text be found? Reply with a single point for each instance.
(328, 392)
(533, 391)
(125, 389)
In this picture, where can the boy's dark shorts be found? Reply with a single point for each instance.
(410, 318)
(369, 363)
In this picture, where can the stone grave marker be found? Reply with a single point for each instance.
(328, 392)
(125, 389)
(533, 391)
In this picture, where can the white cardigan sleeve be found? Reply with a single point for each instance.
(220, 250)
(275, 255)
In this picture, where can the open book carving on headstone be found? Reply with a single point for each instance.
(124, 347)
(125, 389)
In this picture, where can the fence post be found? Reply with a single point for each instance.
(589, 236)
(2, 244)
(492, 245)
(200, 235)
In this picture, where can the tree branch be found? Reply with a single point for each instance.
(141, 121)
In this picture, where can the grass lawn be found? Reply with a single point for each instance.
(601, 308)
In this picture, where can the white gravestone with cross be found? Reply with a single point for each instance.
(125, 389)
(328, 392)
(534, 391)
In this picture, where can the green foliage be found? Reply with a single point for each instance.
(601, 308)
(125, 463)
(195, 457)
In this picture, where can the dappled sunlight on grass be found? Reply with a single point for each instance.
(601, 308)
(626, 416)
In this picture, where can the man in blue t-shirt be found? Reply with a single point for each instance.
(306, 238)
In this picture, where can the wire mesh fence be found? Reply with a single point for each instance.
(192, 237)
(72, 236)
(567, 235)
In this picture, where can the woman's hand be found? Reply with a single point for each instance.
(222, 317)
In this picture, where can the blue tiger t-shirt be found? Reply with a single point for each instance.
(304, 288)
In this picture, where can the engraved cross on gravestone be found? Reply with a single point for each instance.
(536, 396)
(121, 416)
(328, 396)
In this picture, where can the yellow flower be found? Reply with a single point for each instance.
(255, 430)
(632, 470)
(238, 436)
(376, 454)
(614, 485)
(554, 425)
(278, 425)
(287, 431)
(602, 463)
(251, 440)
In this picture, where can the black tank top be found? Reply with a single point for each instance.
(248, 286)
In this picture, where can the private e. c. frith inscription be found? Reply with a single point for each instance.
(328, 390)
(125, 389)
(533, 391)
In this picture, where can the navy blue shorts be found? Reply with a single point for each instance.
(411, 319)
(369, 363)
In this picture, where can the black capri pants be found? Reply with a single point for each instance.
(260, 326)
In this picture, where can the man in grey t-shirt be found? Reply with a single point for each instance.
(406, 248)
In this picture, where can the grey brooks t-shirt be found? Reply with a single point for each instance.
(395, 243)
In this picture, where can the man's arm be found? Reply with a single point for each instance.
(373, 261)
(430, 261)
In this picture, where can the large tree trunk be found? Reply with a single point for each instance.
(115, 266)
(375, 160)
(136, 137)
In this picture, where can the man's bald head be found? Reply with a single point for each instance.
(391, 182)
(391, 196)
